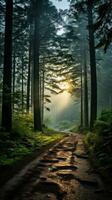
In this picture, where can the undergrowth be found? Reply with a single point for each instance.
(99, 144)
(23, 140)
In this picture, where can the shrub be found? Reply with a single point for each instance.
(99, 143)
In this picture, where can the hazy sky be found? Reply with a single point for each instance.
(61, 4)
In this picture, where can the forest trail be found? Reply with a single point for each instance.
(62, 173)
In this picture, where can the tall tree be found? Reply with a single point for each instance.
(81, 114)
(85, 92)
(29, 79)
(14, 68)
(22, 84)
(7, 72)
(93, 106)
(36, 67)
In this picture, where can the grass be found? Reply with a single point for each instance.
(23, 140)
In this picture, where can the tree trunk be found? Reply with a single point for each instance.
(7, 72)
(85, 94)
(42, 92)
(81, 123)
(22, 92)
(36, 70)
(93, 111)
(14, 68)
(29, 79)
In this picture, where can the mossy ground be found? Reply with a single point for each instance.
(23, 140)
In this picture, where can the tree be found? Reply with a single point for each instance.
(7, 71)
(36, 67)
(29, 74)
(81, 113)
(83, 7)
(85, 92)
(93, 106)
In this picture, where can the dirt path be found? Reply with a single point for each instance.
(63, 173)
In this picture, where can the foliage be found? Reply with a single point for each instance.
(75, 128)
(22, 140)
(99, 143)
(103, 24)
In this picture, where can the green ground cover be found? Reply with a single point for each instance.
(23, 140)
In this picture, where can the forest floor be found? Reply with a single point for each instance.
(63, 172)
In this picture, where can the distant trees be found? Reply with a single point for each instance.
(98, 16)
(103, 30)
(32, 41)
(7, 71)
(83, 10)
(77, 25)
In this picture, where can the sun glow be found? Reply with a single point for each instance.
(66, 86)
(62, 100)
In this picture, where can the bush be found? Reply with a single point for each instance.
(106, 116)
(99, 143)
(22, 125)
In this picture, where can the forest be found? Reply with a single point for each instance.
(55, 99)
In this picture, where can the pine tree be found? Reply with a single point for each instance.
(36, 67)
(93, 106)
